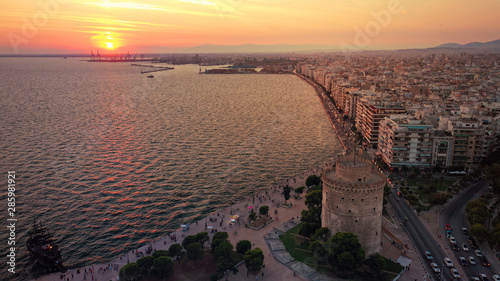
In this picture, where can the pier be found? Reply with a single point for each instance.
(156, 68)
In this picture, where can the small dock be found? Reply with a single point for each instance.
(156, 68)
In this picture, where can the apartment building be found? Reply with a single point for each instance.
(404, 141)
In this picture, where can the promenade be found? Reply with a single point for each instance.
(274, 270)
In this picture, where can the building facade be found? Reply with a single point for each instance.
(353, 200)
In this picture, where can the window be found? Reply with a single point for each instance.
(356, 220)
(352, 199)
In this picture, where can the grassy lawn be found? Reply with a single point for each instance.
(442, 185)
(386, 215)
(299, 250)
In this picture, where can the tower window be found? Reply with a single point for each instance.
(352, 199)
(356, 220)
(359, 179)
(349, 211)
(342, 198)
(362, 200)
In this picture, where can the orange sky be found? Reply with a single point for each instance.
(160, 25)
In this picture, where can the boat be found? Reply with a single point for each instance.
(150, 76)
(43, 248)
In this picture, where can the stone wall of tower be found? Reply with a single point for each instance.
(353, 202)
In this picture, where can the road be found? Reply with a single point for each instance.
(420, 235)
(455, 215)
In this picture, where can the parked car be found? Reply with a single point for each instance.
(472, 260)
(463, 261)
(478, 253)
(465, 231)
(447, 226)
(428, 255)
(475, 279)
(464, 247)
(496, 277)
(448, 262)
(455, 247)
(435, 267)
(455, 273)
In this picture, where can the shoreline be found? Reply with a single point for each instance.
(321, 96)
(270, 196)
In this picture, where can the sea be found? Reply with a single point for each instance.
(109, 159)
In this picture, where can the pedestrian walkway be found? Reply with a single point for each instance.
(274, 269)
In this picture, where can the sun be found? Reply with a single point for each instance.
(109, 45)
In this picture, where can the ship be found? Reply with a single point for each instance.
(43, 248)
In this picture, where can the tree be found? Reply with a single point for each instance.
(175, 250)
(321, 234)
(286, 192)
(311, 221)
(300, 190)
(224, 249)
(313, 180)
(314, 199)
(146, 264)
(194, 251)
(130, 272)
(243, 246)
(161, 253)
(376, 263)
(491, 173)
(218, 238)
(345, 252)
(254, 259)
(202, 237)
(252, 216)
(440, 198)
(479, 231)
(477, 211)
(164, 266)
(264, 210)
(319, 251)
(221, 235)
(188, 240)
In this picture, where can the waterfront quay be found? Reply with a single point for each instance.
(274, 270)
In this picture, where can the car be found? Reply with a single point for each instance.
(472, 242)
(485, 261)
(448, 262)
(483, 277)
(463, 261)
(448, 233)
(455, 273)
(464, 247)
(474, 279)
(478, 253)
(428, 255)
(452, 240)
(472, 260)
(455, 247)
(435, 267)
(496, 277)
(447, 226)
(465, 231)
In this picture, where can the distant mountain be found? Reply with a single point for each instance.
(473, 45)
(252, 48)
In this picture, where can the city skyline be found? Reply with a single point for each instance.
(51, 26)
